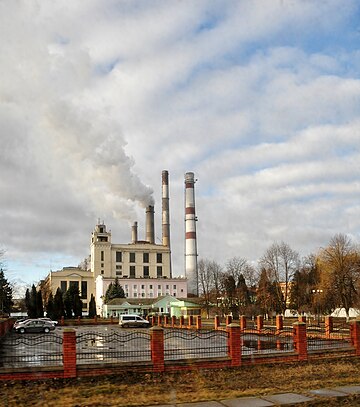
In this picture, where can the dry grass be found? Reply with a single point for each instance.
(144, 389)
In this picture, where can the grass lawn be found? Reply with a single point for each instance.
(132, 389)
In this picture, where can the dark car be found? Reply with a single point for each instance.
(34, 325)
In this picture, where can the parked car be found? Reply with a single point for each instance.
(49, 320)
(134, 321)
(34, 325)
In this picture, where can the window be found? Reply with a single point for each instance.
(84, 306)
(142, 286)
(126, 287)
(145, 257)
(118, 267)
(132, 257)
(63, 286)
(135, 295)
(118, 272)
(143, 294)
(102, 264)
(167, 286)
(132, 271)
(135, 286)
(158, 257)
(150, 286)
(101, 229)
(146, 271)
(102, 271)
(84, 290)
(159, 271)
(174, 286)
(102, 255)
(74, 284)
(118, 257)
(159, 287)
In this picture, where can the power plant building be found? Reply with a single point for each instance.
(143, 268)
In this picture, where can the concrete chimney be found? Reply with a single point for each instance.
(191, 270)
(134, 232)
(165, 209)
(150, 230)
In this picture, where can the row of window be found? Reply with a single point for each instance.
(83, 291)
(142, 286)
(132, 257)
(132, 271)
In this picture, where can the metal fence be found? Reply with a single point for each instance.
(116, 346)
(266, 341)
(191, 344)
(20, 350)
(338, 338)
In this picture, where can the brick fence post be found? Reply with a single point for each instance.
(216, 322)
(198, 322)
(260, 323)
(228, 320)
(95, 319)
(152, 320)
(182, 321)
(69, 353)
(173, 321)
(234, 344)
(111, 320)
(62, 321)
(329, 326)
(243, 322)
(300, 340)
(157, 348)
(355, 335)
(279, 324)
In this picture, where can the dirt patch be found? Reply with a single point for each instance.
(131, 389)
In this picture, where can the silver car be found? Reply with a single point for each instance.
(134, 321)
(34, 325)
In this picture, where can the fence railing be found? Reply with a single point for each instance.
(121, 346)
(31, 350)
(187, 344)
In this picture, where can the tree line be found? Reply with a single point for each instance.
(317, 283)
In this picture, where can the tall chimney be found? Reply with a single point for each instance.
(150, 232)
(191, 270)
(134, 232)
(165, 209)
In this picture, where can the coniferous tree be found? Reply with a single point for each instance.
(92, 307)
(5, 294)
(39, 305)
(50, 307)
(72, 302)
(32, 300)
(114, 291)
(59, 310)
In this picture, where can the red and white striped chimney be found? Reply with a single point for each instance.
(191, 270)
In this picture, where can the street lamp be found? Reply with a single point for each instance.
(316, 293)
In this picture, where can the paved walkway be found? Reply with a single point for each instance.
(282, 399)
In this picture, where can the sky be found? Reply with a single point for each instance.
(260, 99)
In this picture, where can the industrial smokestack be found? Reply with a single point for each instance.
(150, 231)
(165, 209)
(134, 232)
(191, 270)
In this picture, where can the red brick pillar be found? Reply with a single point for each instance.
(182, 321)
(191, 321)
(69, 353)
(152, 321)
(234, 344)
(198, 322)
(62, 321)
(157, 348)
(173, 321)
(302, 318)
(260, 323)
(95, 319)
(329, 326)
(111, 319)
(228, 320)
(159, 320)
(166, 320)
(279, 323)
(300, 340)
(216, 322)
(355, 335)
(243, 322)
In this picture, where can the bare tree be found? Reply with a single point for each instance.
(209, 282)
(339, 265)
(238, 266)
(280, 263)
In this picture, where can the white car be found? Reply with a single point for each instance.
(134, 321)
